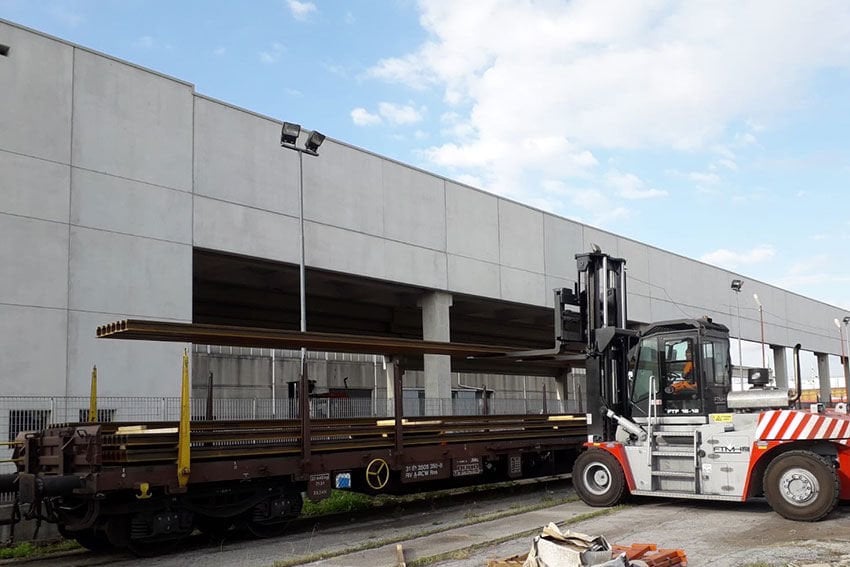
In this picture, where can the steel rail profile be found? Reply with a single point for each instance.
(130, 444)
(225, 335)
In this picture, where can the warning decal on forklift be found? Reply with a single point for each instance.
(721, 417)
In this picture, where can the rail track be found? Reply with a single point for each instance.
(413, 513)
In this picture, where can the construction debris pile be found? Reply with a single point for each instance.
(554, 548)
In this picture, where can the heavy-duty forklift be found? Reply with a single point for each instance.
(663, 420)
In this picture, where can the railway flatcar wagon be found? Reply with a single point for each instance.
(143, 486)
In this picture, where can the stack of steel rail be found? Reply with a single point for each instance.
(123, 443)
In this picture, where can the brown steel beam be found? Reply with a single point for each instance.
(282, 339)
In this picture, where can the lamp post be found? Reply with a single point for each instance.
(736, 287)
(844, 363)
(289, 134)
(761, 322)
(846, 336)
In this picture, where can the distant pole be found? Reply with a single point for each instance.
(761, 322)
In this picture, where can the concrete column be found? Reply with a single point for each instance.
(823, 378)
(387, 408)
(562, 390)
(845, 365)
(779, 365)
(438, 368)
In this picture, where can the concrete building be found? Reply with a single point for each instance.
(125, 193)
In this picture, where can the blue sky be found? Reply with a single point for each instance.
(719, 132)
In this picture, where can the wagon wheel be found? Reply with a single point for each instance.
(377, 474)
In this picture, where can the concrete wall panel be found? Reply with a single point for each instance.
(34, 260)
(343, 188)
(124, 368)
(472, 223)
(341, 250)
(563, 240)
(609, 243)
(131, 123)
(637, 266)
(33, 350)
(34, 188)
(114, 273)
(639, 308)
(116, 204)
(238, 158)
(520, 237)
(473, 277)
(414, 206)
(522, 286)
(412, 264)
(35, 117)
(241, 230)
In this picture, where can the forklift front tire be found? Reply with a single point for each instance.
(598, 478)
(802, 486)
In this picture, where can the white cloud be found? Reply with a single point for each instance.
(301, 10)
(389, 113)
(399, 114)
(734, 259)
(219, 51)
(272, 54)
(362, 117)
(145, 42)
(630, 186)
(728, 164)
(598, 75)
(584, 204)
(702, 178)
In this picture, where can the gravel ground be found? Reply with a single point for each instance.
(721, 535)
(717, 534)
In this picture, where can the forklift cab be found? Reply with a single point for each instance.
(683, 366)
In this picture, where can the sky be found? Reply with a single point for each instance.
(715, 130)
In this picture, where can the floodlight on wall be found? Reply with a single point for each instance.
(313, 142)
(737, 285)
(289, 133)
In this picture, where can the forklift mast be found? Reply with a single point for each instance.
(602, 300)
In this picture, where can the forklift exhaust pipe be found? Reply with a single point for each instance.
(630, 426)
(798, 379)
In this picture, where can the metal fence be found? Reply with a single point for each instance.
(26, 413)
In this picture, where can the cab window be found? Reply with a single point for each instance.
(645, 371)
(680, 378)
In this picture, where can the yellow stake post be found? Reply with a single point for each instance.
(93, 396)
(183, 448)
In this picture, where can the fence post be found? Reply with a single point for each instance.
(254, 408)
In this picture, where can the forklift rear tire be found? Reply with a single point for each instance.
(802, 486)
(598, 478)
